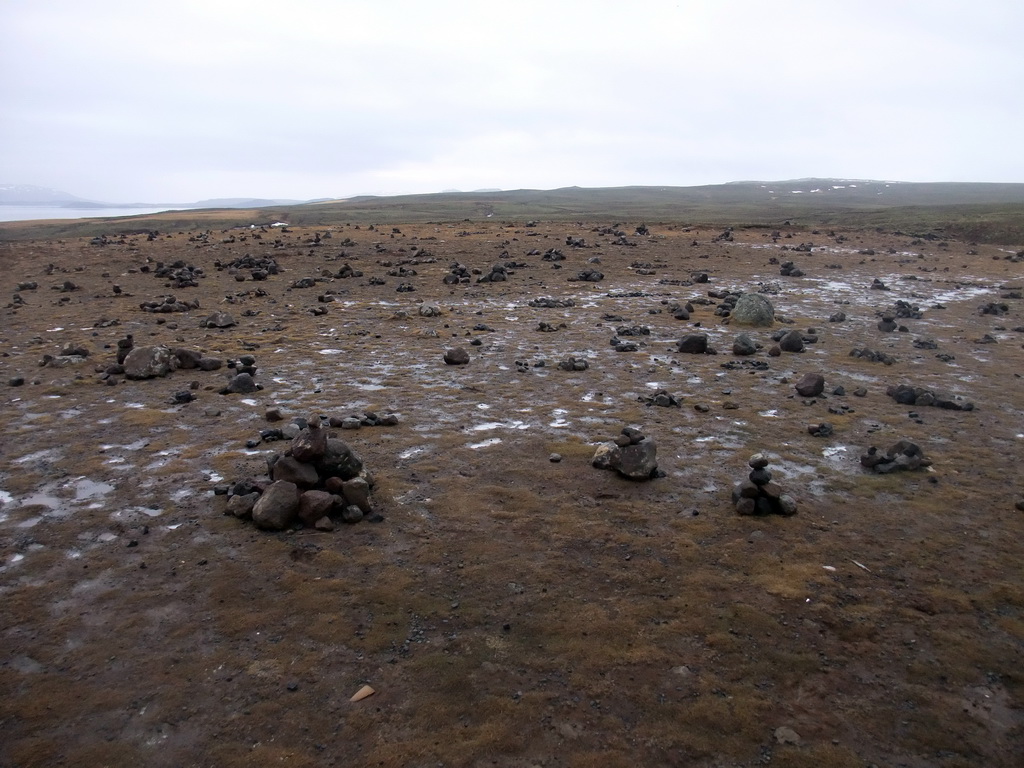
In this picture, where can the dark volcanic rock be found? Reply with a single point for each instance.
(792, 341)
(694, 343)
(456, 356)
(744, 345)
(810, 385)
(339, 461)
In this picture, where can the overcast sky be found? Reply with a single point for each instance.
(141, 101)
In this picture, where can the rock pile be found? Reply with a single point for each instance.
(317, 482)
(179, 274)
(168, 304)
(789, 269)
(661, 398)
(632, 454)
(905, 394)
(758, 495)
(546, 302)
(901, 456)
(588, 275)
(260, 267)
(872, 355)
(573, 364)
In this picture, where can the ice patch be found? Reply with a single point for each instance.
(485, 443)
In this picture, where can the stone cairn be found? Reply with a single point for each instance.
(758, 495)
(632, 454)
(317, 482)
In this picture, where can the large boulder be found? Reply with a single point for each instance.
(755, 310)
(278, 506)
(149, 362)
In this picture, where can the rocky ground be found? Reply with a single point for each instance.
(508, 603)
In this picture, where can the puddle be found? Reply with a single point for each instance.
(89, 489)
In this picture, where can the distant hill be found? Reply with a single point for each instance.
(28, 194)
(970, 211)
(242, 202)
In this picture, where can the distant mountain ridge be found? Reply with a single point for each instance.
(30, 194)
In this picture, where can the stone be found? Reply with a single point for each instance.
(758, 461)
(792, 341)
(753, 309)
(314, 505)
(149, 362)
(787, 505)
(357, 493)
(637, 461)
(602, 458)
(760, 476)
(748, 490)
(339, 461)
(241, 506)
(746, 506)
(188, 359)
(324, 524)
(810, 385)
(218, 320)
(744, 345)
(694, 343)
(456, 356)
(240, 384)
(289, 469)
(352, 514)
(278, 507)
(310, 444)
(785, 735)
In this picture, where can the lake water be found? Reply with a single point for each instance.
(35, 213)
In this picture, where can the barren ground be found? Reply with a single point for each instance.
(512, 611)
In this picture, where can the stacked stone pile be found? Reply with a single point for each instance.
(317, 482)
(758, 495)
(632, 454)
